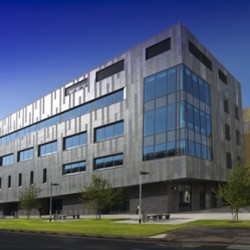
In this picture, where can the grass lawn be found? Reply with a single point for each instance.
(106, 227)
(89, 227)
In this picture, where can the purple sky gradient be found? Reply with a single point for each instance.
(45, 44)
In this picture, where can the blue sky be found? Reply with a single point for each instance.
(47, 43)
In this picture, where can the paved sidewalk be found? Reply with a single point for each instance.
(212, 235)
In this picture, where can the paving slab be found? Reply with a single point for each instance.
(215, 235)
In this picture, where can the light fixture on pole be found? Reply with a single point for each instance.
(140, 193)
(50, 200)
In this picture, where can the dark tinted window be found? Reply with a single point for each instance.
(110, 70)
(226, 105)
(238, 141)
(236, 110)
(158, 48)
(227, 132)
(108, 161)
(228, 161)
(31, 177)
(76, 87)
(200, 56)
(222, 76)
(9, 181)
(44, 175)
(20, 180)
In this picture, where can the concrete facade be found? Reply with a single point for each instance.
(169, 178)
(246, 125)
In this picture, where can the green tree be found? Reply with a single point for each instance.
(29, 199)
(235, 191)
(99, 195)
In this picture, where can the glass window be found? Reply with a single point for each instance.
(99, 163)
(228, 161)
(109, 131)
(198, 150)
(209, 153)
(226, 105)
(99, 133)
(161, 116)
(171, 148)
(118, 96)
(203, 123)
(7, 159)
(190, 116)
(236, 111)
(203, 151)
(108, 161)
(76, 167)
(209, 125)
(183, 147)
(207, 94)
(171, 117)
(118, 129)
(202, 90)
(148, 153)
(44, 175)
(195, 86)
(183, 115)
(75, 141)
(31, 177)
(109, 100)
(47, 148)
(197, 120)
(84, 109)
(9, 181)
(182, 78)
(149, 88)
(160, 150)
(98, 104)
(25, 154)
(161, 84)
(189, 83)
(118, 160)
(149, 123)
(227, 132)
(238, 137)
(191, 148)
(19, 180)
(160, 120)
(171, 80)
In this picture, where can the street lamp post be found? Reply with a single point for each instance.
(50, 199)
(140, 194)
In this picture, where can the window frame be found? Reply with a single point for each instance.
(51, 143)
(78, 167)
(22, 153)
(105, 164)
(107, 127)
(76, 136)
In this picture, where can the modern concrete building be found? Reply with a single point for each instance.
(246, 126)
(167, 107)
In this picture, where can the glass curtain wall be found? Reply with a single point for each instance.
(177, 115)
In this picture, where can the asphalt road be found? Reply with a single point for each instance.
(19, 241)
